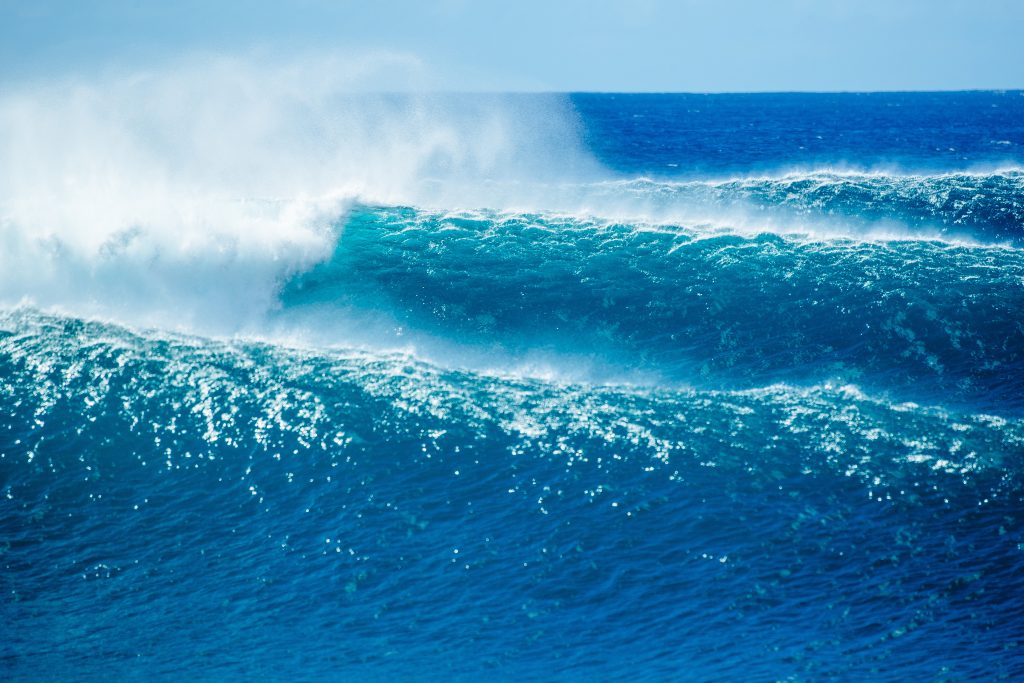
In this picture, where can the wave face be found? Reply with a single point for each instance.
(685, 305)
(588, 388)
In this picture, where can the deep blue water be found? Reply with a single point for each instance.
(693, 135)
(739, 396)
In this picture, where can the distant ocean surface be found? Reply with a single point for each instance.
(513, 387)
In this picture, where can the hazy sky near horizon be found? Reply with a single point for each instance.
(560, 45)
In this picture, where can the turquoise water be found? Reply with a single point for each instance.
(731, 391)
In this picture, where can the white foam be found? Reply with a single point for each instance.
(183, 196)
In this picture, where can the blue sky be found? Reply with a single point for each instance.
(561, 45)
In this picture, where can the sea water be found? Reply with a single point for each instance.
(526, 387)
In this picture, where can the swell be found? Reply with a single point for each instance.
(226, 398)
(244, 494)
(932, 321)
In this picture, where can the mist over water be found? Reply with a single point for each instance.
(197, 188)
(305, 377)
(187, 196)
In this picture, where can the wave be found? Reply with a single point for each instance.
(698, 304)
(178, 401)
(580, 298)
(285, 202)
(203, 197)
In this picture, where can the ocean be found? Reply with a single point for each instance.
(521, 387)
